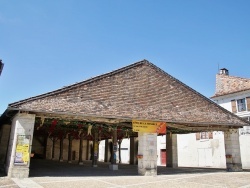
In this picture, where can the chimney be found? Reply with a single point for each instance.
(224, 71)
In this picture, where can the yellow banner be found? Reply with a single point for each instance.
(149, 126)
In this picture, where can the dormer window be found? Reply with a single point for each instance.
(241, 105)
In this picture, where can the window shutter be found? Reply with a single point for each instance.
(210, 135)
(233, 103)
(198, 136)
(248, 103)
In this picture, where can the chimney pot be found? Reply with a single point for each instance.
(224, 71)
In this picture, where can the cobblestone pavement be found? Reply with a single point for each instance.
(49, 174)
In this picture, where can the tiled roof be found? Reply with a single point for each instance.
(226, 84)
(138, 91)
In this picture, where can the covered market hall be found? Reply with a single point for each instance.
(139, 101)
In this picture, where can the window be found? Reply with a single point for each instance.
(241, 104)
(204, 135)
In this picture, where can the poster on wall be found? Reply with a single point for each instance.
(149, 126)
(22, 155)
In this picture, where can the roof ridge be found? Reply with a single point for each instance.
(71, 86)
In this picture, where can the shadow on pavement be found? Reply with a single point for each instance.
(41, 168)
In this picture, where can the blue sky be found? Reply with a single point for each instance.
(46, 44)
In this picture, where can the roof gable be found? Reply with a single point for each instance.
(138, 91)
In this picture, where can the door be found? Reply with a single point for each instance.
(205, 157)
(163, 157)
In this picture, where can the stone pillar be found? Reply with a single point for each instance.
(4, 139)
(70, 149)
(171, 150)
(113, 165)
(120, 143)
(232, 150)
(87, 150)
(147, 154)
(61, 149)
(80, 150)
(45, 142)
(53, 147)
(95, 150)
(136, 150)
(19, 149)
(133, 151)
(106, 154)
(49, 149)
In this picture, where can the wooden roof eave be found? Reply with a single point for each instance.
(202, 128)
(208, 124)
(125, 121)
(74, 116)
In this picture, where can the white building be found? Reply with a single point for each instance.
(233, 94)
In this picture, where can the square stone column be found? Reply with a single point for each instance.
(147, 154)
(20, 143)
(80, 162)
(95, 150)
(232, 150)
(133, 151)
(4, 138)
(53, 147)
(61, 149)
(113, 165)
(171, 149)
(107, 154)
(70, 149)
(87, 150)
